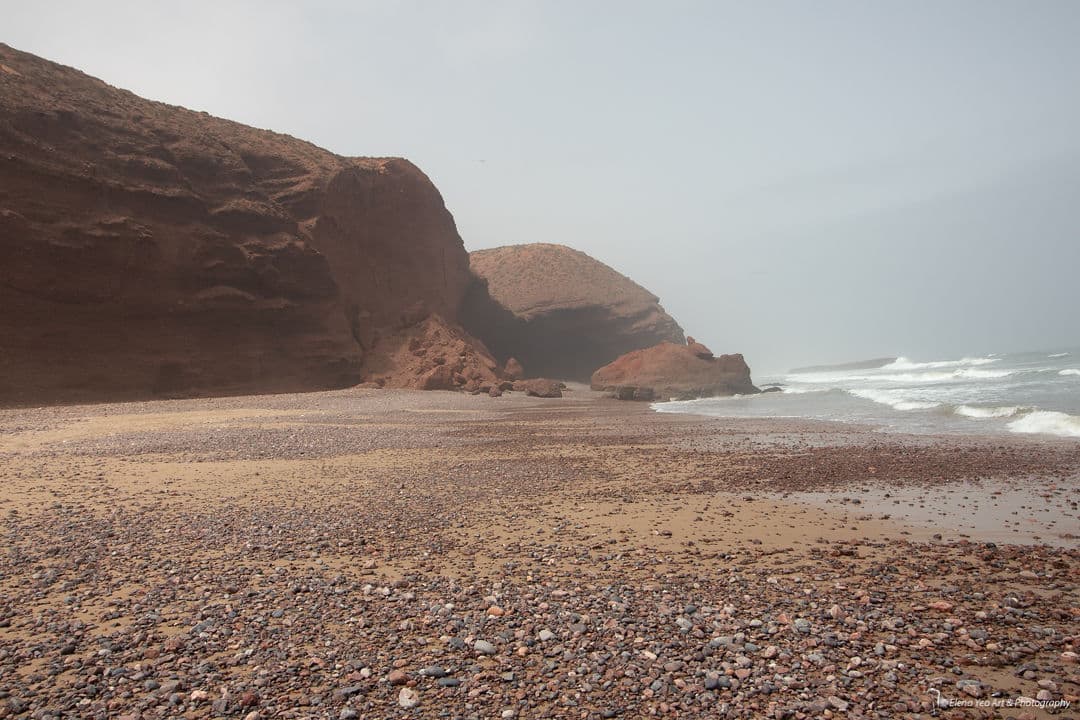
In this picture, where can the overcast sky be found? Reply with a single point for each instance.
(798, 181)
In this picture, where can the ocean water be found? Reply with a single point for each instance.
(1028, 393)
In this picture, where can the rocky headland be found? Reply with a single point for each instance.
(560, 312)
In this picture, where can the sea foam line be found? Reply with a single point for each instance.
(903, 363)
(894, 400)
(909, 377)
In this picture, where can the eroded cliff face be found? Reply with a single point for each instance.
(148, 250)
(558, 311)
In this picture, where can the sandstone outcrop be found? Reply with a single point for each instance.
(673, 371)
(698, 349)
(559, 311)
(148, 250)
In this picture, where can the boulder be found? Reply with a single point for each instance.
(632, 392)
(673, 371)
(540, 387)
(440, 377)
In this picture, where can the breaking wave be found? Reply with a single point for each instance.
(1028, 420)
(1050, 422)
(1013, 393)
(964, 373)
(902, 363)
(972, 411)
(894, 400)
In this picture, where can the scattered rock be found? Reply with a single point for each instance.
(408, 698)
(540, 387)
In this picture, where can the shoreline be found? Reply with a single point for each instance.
(308, 555)
(953, 427)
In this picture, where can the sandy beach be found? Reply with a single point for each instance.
(374, 554)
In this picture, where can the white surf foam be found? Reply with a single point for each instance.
(1055, 355)
(894, 400)
(903, 377)
(958, 374)
(982, 374)
(1047, 422)
(1069, 371)
(903, 363)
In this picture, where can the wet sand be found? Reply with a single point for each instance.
(389, 553)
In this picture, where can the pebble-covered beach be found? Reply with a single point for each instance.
(395, 554)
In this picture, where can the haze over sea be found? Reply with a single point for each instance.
(1030, 392)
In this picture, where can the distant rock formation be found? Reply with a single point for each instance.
(671, 371)
(148, 250)
(559, 311)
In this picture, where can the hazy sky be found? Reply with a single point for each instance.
(798, 181)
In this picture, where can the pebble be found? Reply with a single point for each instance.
(408, 698)
(590, 625)
(837, 703)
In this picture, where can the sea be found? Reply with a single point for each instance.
(1032, 393)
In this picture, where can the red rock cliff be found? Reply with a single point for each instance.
(560, 312)
(146, 249)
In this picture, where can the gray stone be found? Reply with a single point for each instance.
(408, 698)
